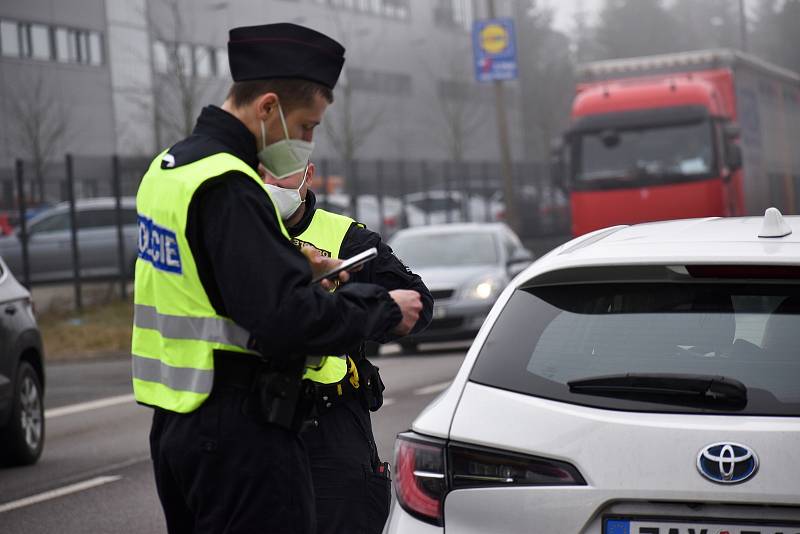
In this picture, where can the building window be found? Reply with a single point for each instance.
(95, 49)
(203, 57)
(40, 42)
(9, 38)
(24, 40)
(50, 43)
(61, 42)
(160, 59)
(389, 83)
(202, 61)
(395, 9)
(222, 61)
(182, 55)
(80, 46)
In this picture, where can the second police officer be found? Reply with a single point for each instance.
(224, 310)
(351, 483)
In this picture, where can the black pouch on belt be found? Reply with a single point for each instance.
(282, 397)
(371, 384)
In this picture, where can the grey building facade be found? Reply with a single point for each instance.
(128, 77)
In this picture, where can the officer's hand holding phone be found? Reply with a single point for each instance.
(321, 265)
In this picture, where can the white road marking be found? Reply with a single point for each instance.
(86, 406)
(434, 388)
(59, 492)
(388, 402)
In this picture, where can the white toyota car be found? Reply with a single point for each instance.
(637, 380)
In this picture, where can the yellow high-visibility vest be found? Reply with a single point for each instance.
(176, 329)
(326, 233)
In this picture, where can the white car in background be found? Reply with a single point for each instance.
(635, 380)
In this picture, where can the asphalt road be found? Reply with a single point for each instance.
(95, 473)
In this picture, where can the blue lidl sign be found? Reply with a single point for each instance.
(494, 50)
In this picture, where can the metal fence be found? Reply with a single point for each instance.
(385, 195)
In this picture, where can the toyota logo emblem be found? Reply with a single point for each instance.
(727, 463)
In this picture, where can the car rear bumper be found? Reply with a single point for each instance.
(585, 510)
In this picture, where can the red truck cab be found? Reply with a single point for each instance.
(653, 139)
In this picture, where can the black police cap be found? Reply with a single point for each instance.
(284, 50)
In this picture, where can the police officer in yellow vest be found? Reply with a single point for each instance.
(351, 483)
(224, 311)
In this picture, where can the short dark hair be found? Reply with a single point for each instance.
(292, 92)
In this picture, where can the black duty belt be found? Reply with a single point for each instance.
(327, 396)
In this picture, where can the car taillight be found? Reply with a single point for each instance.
(390, 221)
(426, 469)
(473, 467)
(419, 477)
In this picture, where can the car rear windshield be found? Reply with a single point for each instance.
(546, 337)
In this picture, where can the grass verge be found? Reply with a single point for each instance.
(102, 330)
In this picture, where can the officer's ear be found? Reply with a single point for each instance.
(266, 106)
(312, 170)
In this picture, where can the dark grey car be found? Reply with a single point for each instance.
(21, 375)
(465, 266)
(50, 245)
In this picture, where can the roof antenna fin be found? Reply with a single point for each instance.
(774, 225)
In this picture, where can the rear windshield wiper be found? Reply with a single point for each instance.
(665, 387)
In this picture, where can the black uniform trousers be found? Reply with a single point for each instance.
(351, 496)
(218, 471)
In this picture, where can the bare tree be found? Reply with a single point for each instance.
(42, 125)
(346, 128)
(460, 105)
(178, 90)
(546, 75)
(350, 122)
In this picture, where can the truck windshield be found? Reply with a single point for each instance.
(653, 154)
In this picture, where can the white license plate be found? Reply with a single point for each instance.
(439, 312)
(670, 526)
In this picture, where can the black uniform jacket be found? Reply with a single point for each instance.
(252, 273)
(386, 270)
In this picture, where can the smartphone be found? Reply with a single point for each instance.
(351, 263)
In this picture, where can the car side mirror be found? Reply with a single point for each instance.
(733, 156)
(518, 261)
(731, 131)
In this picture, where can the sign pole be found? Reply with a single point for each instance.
(505, 146)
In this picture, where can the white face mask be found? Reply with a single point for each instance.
(285, 157)
(287, 200)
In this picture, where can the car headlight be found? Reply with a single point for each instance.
(483, 288)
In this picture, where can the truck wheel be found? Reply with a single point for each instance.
(23, 439)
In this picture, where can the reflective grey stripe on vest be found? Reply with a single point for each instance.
(176, 378)
(209, 329)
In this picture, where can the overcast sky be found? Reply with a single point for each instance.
(565, 11)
